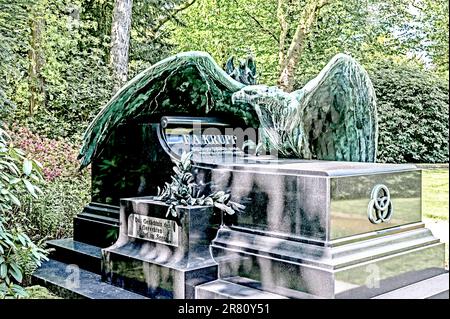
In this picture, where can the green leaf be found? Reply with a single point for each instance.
(14, 199)
(3, 270)
(3, 289)
(15, 271)
(19, 291)
(30, 187)
(224, 208)
(27, 166)
(22, 239)
(14, 181)
(38, 190)
(37, 165)
(35, 178)
(8, 241)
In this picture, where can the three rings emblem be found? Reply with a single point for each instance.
(380, 207)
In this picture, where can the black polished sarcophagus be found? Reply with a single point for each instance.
(320, 221)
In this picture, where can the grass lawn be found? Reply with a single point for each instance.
(435, 193)
(39, 292)
(435, 204)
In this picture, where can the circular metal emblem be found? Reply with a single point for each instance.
(380, 207)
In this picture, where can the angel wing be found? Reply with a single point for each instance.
(338, 111)
(187, 83)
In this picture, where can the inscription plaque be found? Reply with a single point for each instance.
(209, 139)
(153, 229)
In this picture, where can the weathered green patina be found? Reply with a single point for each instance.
(189, 83)
(333, 117)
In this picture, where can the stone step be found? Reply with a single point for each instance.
(222, 289)
(88, 228)
(83, 255)
(70, 282)
(433, 288)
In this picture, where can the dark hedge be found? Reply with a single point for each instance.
(413, 114)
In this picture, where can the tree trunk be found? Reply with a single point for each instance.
(287, 75)
(120, 42)
(288, 60)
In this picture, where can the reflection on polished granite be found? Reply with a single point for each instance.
(76, 283)
(158, 270)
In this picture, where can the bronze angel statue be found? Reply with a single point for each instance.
(333, 117)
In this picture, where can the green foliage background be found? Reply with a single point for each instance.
(413, 114)
(73, 47)
(404, 47)
(74, 74)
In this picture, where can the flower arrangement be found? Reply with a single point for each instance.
(184, 191)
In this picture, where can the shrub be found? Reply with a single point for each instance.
(38, 292)
(64, 195)
(58, 156)
(412, 112)
(52, 215)
(17, 252)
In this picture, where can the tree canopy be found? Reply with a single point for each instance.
(56, 54)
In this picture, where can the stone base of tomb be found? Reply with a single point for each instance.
(307, 233)
(97, 225)
(357, 267)
(161, 257)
